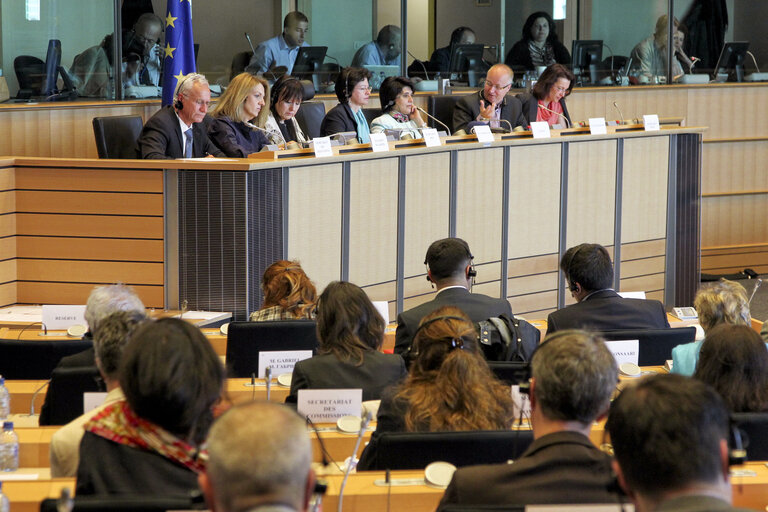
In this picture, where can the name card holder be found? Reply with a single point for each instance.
(328, 405)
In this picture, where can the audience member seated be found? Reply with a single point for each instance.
(670, 439)
(450, 269)
(573, 377)
(286, 97)
(384, 51)
(491, 105)
(539, 45)
(350, 332)
(546, 102)
(649, 57)
(102, 302)
(353, 92)
(150, 444)
(92, 69)
(398, 110)
(589, 275)
(238, 114)
(109, 340)
(288, 293)
(175, 131)
(281, 50)
(734, 361)
(259, 457)
(723, 302)
(440, 62)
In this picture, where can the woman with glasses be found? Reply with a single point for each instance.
(398, 110)
(539, 45)
(238, 115)
(353, 92)
(287, 95)
(547, 99)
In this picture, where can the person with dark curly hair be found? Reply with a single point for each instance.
(288, 293)
(539, 45)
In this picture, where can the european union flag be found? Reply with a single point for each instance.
(179, 48)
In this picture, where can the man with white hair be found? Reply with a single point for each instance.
(259, 457)
(176, 131)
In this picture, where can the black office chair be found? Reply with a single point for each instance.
(371, 114)
(441, 107)
(35, 359)
(239, 62)
(755, 426)
(416, 450)
(511, 372)
(65, 394)
(655, 344)
(310, 116)
(116, 136)
(30, 73)
(482, 508)
(125, 503)
(246, 339)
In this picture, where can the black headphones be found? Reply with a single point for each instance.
(471, 273)
(177, 103)
(572, 287)
(278, 86)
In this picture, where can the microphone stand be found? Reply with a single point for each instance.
(435, 119)
(353, 462)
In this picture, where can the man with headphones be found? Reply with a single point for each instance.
(670, 439)
(450, 269)
(175, 131)
(589, 275)
(573, 375)
(384, 51)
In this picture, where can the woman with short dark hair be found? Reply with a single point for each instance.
(353, 92)
(546, 102)
(539, 45)
(398, 110)
(285, 100)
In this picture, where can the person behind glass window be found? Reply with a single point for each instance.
(353, 92)
(285, 100)
(288, 293)
(539, 46)
(384, 51)
(546, 102)
(280, 52)
(440, 61)
(649, 56)
(240, 110)
(398, 110)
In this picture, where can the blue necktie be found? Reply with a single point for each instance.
(188, 145)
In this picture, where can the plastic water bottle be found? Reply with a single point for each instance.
(5, 505)
(9, 448)
(5, 400)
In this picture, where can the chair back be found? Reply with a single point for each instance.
(30, 73)
(116, 136)
(511, 372)
(416, 450)
(246, 339)
(441, 107)
(310, 116)
(655, 344)
(33, 360)
(239, 62)
(755, 426)
(125, 503)
(65, 393)
(371, 114)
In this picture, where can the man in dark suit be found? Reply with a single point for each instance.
(491, 105)
(670, 438)
(450, 269)
(573, 377)
(589, 274)
(176, 131)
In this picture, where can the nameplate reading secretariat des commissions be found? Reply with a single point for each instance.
(62, 317)
(328, 405)
(624, 351)
(281, 361)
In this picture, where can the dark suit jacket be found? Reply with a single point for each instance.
(467, 109)
(161, 138)
(606, 310)
(476, 305)
(339, 119)
(700, 503)
(564, 467)
(235, 139)
(531, 108)
(520, 56)
(86, 358)
(325, 371)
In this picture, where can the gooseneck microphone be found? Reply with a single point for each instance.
(250, 43)
(754, 290)
(434, 119)
(269, 133)
(621, 116)
(353, 460)
(34, 396)
(567, 123)
(268, 378)
(421, 63)
(45, 329)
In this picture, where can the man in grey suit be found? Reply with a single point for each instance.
(491, 105)
(450, 269)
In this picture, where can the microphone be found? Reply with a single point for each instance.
(184, 305)
(353, 460)
(434, 119)
(754, 290)
(250, 43)
(327, 459)
(343, 137)
(426, 75)
(510, 124)
(621, 116)
(268, 376)
(34, 395)
(45, 329)
(567, 123)
(269, 133)
(334, 58)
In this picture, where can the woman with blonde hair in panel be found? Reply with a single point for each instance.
(238, 116)
(288, 293)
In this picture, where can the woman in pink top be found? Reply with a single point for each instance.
(547, 99)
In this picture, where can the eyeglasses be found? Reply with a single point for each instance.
(405, 95)
(496, 86)
(363, 88)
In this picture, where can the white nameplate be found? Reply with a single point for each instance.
(597, 126)
(328, 405)
(625, 351)
(431, 138)
(651, 122)
(382, 307)
(540, 129)
(632, 295)
(281, 361)
(484, 134)
(520, 400)
(322, 146)
(61, 317)
(93, 399)
(379, 142)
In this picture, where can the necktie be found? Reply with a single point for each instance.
(188, 145)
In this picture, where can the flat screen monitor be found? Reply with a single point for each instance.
(587, 55)
(52, 63)
(308, 62)
(467, 63)
(731, 61)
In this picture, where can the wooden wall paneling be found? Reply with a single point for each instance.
(735, 259)
(644, 249)
(734, 167)
(7, 248)
(112, 180)
(97, 203)
(649, 283)
(77, 293)
(733, 112)
(103, 249)
(645, 266)
(734, 220)
(7, 201)
(645, 168)
(535, 305)
(90, 226)
(7, 224)
(8, 270)
(89, 271)
(7, 178)
(8, 294)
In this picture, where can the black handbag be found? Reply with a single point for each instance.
(507, 339)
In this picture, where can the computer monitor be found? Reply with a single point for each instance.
(731, 61)
(467, 62)
(308, 62)
(379, 73)
(587, 55)
(53, 68)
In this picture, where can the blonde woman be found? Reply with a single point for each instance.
(242, 108)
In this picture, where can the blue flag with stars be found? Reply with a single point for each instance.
(179, 51)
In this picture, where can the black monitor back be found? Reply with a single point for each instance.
(755, 426)
(126, 504)
(246, 339)
(511, 372)
(35, 359)
(655, 345)
(65, 393)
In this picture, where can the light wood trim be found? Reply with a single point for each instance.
(77, 293)
(99, 203)
(640, 250)
(89, 226)
(90, 271)
(735, 193)
(103, 249)
(734, 139)
(91, 179)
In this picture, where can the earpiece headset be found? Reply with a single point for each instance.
(279, 86)
(471, 273)
(177, 103)
(571, 286)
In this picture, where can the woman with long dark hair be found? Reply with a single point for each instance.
(539, 45)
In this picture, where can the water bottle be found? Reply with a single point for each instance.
(5, 400)
(5, 505)
(9, 448)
